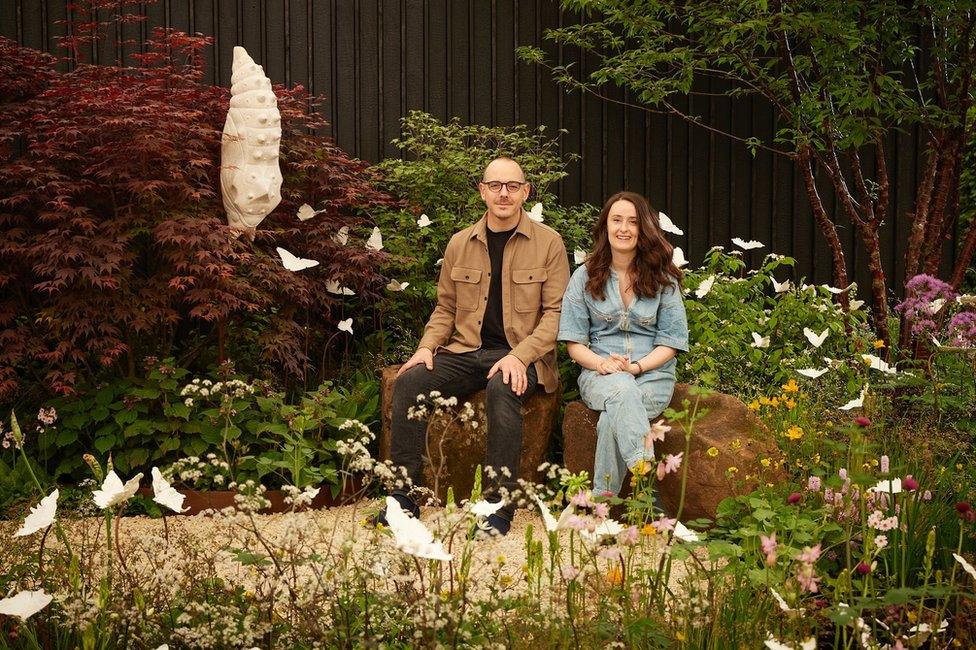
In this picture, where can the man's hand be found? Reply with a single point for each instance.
(513, 373)
(421, 356)
(613, 363)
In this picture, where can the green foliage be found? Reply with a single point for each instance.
(438, 176)
(723, 352)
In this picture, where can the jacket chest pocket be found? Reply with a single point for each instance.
(466, 284)
(644, 313)
(527, 284)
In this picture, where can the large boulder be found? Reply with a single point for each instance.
(728, 425)
(457, 450)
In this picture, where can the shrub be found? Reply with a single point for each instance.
(112, 235)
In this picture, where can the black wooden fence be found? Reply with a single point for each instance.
(375, 60)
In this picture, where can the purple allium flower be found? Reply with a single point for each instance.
(813, 483)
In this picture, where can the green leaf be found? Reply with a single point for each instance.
(104, 443)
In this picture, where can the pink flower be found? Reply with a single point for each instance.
(807, 578)
(601, 510)
(794, 498)
(862, 421)
(813, 483)
(569, 572)
(629, 536)
(885, 464)
(809, 555)
(909, 483)
(768, 544)
(581, 499)
(828, 495)
(47, 416)
(927, 495)
(658, 429)
(863, 568)
(670, 464)
(664, 524)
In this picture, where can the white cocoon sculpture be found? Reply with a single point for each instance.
(250, 179)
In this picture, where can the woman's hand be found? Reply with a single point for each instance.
(613, 363)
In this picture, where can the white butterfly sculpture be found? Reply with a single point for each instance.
(667, 225)
(856, 403)
(332, 286)
(165, 494)
(294, 263)
(888, 487)
(782, 603)
(781, 287)
(552, 525)
(877, 363)
(759, 341)
(966, 566)
(579, 256)
(393, 285)
(816, 340)
(606, 528)
(375, 241)
(835, 290)
(114, 492)
(41, 516)
(747, 245)
(25, 604)
(812, 373)
(856, 304)
(934, 306)
(345, 325)
(773, 644)
(411, 536)
(486, 508)
(683, 533)
(678, 257)
(536, 213)
(342, 236)
(423, 221)
(705, 287)
(306, 212)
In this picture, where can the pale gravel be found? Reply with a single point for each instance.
(324, 532)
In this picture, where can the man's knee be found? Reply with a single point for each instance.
(415, 381)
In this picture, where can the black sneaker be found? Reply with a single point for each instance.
(409, 507)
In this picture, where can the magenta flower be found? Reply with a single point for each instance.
(862, 421)
(909, 483)
(794, 498)
(962, 330)
(863, 568)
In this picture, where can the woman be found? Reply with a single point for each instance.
(625, 322)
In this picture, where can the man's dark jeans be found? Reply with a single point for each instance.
(460, 375)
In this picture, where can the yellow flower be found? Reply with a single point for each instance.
(505, 580)
(500, 559)
(874, 462)
(912, 616)
(791, 387)
(754, 405)
(790, 403)
(816, 459)
(764, 400)
(640, 468)
(648, 530)
(879, 344)
(794, 433)
(680, 636)
(732, 470)
(774, 402)
(866, 360)
(736, 445)
(712, 451)
(615, 575)
(765, 462)
(959, 467)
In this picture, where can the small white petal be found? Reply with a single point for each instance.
(705, 287)
(536, 213)
(579, 256)
(346, 325)
(423, 221)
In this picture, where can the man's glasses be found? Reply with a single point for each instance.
(496, 186)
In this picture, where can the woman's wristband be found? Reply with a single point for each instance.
(640, 369)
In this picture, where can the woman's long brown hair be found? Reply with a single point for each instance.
(652, 267)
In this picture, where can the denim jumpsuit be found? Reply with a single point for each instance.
(626, 403)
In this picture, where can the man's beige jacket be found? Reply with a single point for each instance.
(535, 273)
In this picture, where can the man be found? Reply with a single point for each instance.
(498, 303)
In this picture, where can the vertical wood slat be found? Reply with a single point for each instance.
(374, 60)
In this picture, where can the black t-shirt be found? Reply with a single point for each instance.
(493, 325)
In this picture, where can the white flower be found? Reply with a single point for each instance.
(411, 536)
(705, 287)
(484, 508)
(781, 287)
(423, 221)
(113, 492)
(41, 516)
(25, 604)
(967, 567)
(759, 341)
(579, 256)
(747, 245)
(345, 325)
(165, 494)
(816, 340)
(342, 236)
(536, 213)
